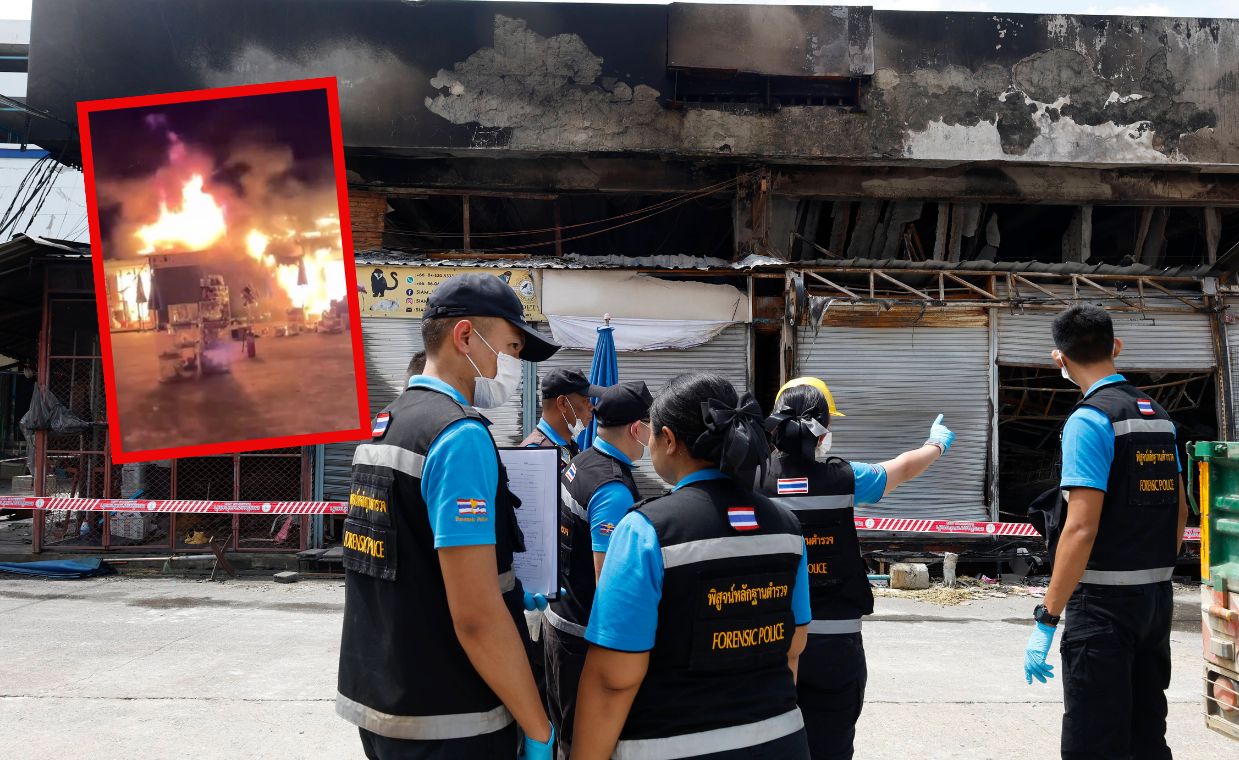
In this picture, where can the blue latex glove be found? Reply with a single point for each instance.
(534, 601)
(1038, 648)
(941, 435)
(535, 750)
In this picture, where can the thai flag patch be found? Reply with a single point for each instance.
(792, 486)
(606, 529)
(471, 506)
(571, 473)
(380, 424)
(1146, 407)
(742, 518)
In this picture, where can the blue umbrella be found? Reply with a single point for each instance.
(603, 371)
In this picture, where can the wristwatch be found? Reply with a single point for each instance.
(1043, 616)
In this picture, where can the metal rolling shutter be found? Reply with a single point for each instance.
(1156, 341)
(726, 354)
(390, 344)
(891, 383)
(1232, 344)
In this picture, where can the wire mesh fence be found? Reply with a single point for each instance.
(76, 463)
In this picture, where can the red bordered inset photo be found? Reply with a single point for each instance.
(223, 266)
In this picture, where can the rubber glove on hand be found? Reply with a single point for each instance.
(534, 601)
(941, 435)
(536, 750)
(1038, 648)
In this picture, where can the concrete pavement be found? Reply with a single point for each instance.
(127, 667)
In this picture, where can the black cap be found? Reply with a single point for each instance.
(561, 382)
(623, 403)
(485, 295)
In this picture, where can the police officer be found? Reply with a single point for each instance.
(599, 491)
(432, 663)
(822, 490)
(702, 606)
(566, 411)
(1113, 555)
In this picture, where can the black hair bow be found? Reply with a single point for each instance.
(734, 438)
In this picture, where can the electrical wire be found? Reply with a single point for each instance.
(669, 203)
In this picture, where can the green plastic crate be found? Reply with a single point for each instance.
(1214, 466)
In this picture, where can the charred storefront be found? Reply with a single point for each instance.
(896, 202)
(62, 442)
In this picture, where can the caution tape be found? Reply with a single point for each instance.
(867, 524)
(963, 527)
(176, 505)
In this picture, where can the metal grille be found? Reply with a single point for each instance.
(891, 383)
(726, 354)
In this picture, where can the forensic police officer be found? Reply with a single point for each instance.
(599, 491)
(432, 662)
(702, 607)
(822, 491)
(1114, 553)
(566, 411)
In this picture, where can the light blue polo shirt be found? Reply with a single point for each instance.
(609, 503)
(1088, 444)
(460, 477)
(545, 428)
(870, 482)
(625, 612)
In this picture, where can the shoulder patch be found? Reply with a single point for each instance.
(742, 518)
(790, 486)
(380, 424)
(1146, 407)
(570, 473)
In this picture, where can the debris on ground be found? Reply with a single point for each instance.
(965, 591)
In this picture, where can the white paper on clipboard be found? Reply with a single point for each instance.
(533, 475)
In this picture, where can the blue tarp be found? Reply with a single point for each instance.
(66, 569)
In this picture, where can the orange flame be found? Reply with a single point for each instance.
(197, 224)
(324, 272)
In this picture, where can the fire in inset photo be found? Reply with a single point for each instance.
(224, 271)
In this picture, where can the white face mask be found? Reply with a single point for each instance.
(576, 427)
(491, 392)
(822, 452)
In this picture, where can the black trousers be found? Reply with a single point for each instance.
(565, 659)
(1116, 669)
(830, 687)
(501, 745)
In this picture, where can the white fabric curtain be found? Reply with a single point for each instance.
(634, 334)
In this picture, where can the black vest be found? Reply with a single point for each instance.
(1140, 513)
(725, 620)
(403, 673)
(822, 495)
(588, 472)
(539, 440)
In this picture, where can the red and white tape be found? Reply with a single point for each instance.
(177, 505)
(869, 524)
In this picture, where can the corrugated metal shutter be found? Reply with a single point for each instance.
(727, 355)
(1232, 344)
(891, 383)
(1155, 341)
(390, 344)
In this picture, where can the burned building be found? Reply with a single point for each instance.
(897, 202)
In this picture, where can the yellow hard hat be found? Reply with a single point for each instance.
(821, 388)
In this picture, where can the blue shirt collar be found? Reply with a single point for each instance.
(612, 452)
(545, 428)
(709, 473)
(435, 384)
(1103, 382)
